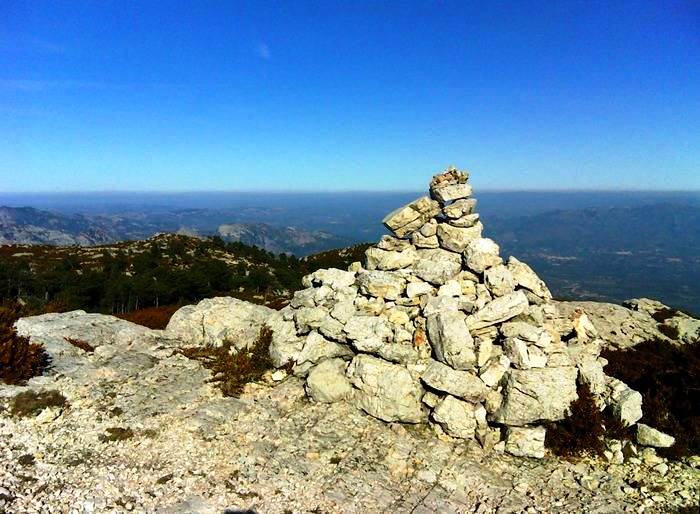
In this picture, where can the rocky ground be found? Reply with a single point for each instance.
(143, 431)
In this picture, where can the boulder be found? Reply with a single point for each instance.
(216, 321)
(386, 391)
(533, 395)
(332, 277)
(482, 253)
(381, 284)
(462, 384)
(456, 417)
(499, 280)
(327, 382)
(460, 208)
(526, 278)
(647, 436)
(285, 344)
(317, 348)
(625, 402)
(437, 266)
(456, 239)
(451, 192)
(526, 441)
(378, 259)
(499, 310)
(409, 218)
(451, 340)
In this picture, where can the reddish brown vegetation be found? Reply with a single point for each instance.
(668, 377)
(83, 345)
(582, 432)
(20, 360)
(153, 317)
(233, 372)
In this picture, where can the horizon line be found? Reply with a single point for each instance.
(341, 191)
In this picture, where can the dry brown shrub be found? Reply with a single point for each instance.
(156, 318)
(232, 372)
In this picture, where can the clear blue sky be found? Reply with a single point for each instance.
(214, 95)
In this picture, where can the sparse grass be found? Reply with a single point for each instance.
(233, 372)
(83, 345)
(668, 377)
(31, 403)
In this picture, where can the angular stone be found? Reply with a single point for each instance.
(411, 217)
(378, 259)
(466, 221)
(386, 391)
(381, 284)
(526, 441)
(332, 277)
(421, 241)
(516, 350)
(451, 192)
(429, 228)
(216, 321)
(626, 403)
(436, 304)
(327, 382)
(499, 280)
(494, 371)
(451, 340)
(418, 288)
(535, 335)
(647, 436)
(534, 395)
(317, 348)
(309, 318)
(456, 239)
(456, 417)
(462, 384)
(526, 278)
(359, 328)
(436, 272)
(482, 253)
(393, 244)
(449, 177)
(501, 309)
(460, 208)
(285, 345)
(450, 288)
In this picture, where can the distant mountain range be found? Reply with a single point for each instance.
(599, 253)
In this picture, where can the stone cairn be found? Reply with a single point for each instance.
(437, 328)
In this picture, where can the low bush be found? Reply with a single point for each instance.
(31, 403)
(156, 318)
(584, 429)
(20, 360)
(668, 377)
(231, 372)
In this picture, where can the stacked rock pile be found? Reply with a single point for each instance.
(436, 327)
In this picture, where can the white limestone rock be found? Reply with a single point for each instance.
(499, 280)
(409, 218)
(317, 348)
(437, 266)
(526, 278)
(327, 382)
(456, 417)
(418, 288)
(393, 244)
(285, 346)
(386, 391)
(462, 384)
(481, 254)
(421, 241)
(451, 340)
(492, 374)
(216, 321)
(625, 402)
(381, 284)
(526, 441)
(359, 328)
(378, 259)
(534, 395)
(451, 192)
(499, 310)
(466, 221)
(456, 239)
(460, 208)
(332, 277)
(647, 436)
